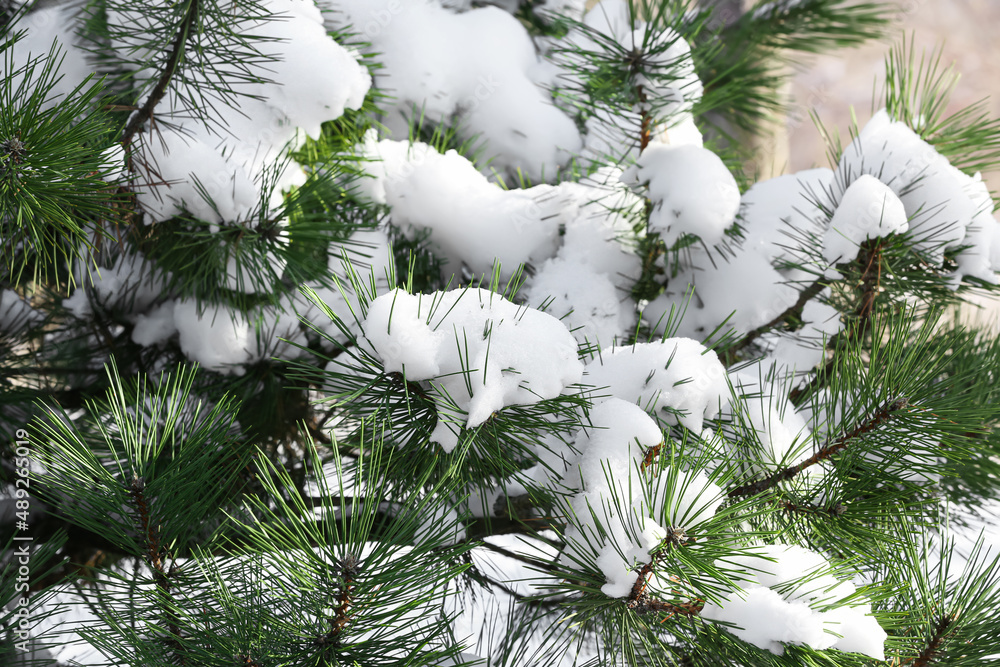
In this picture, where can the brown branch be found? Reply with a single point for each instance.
(645, 133)
(341, 617)
(869, 256)
(162, 576)
(638, 599)
(934, 645)
(692, 608)
(149, 532)
(145, 112)
(805, 296)
(831, 510)
(638, 591)
(882, 415)
(349, 570)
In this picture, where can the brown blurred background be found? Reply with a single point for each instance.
(967, 32)
(832, 84)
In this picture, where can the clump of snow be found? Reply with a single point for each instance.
(932, 191)
(16, 314)
(781, 217)
(803, 349)
(598, 214)
(760, 413)
(618, 436)
(691, 189)
(618, 500)
(219, 339)
(219, 174)
(587, 284)
(477, 69)
(522, 577)
(670, 95)
(739, 293)
(472, 221)
(364, 258)
(478, 351)
(620, 433)
(130, 285)
(678, 375)
(869, 209)
(589, 301)
(223, 340)
(982, 258)
(583, 276)
(44, 28)
(788, 596)
(155, 326)
(758, 279)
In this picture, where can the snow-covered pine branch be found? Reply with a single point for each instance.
(501, 361)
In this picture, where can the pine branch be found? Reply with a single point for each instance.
(177, 49)
(930, 652)
(349, 570)
(793, 311)
(836, 509)
(44, 146)
(639, 600)
(870, 256)
(147, 530)
(645, 605)
(881, 416)
(154, 556)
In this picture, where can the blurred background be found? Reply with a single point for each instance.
(832, 85)
(966, 31)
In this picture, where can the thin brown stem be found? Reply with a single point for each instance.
(145, 112)
(646, 127)
(692, 608)
(934, 645)
(349, 570)
(881, 416)
(805, 296)
(154, 556)
(869, 256)
(149, 532)
(812, 510)
(639, 600)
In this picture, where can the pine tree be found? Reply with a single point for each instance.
(430, 333)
